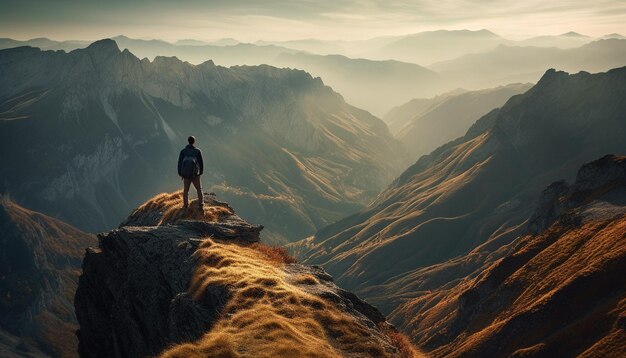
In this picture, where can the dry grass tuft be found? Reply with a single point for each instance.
(275, 254)
(401, 341)
(171, 207)
(267, 315)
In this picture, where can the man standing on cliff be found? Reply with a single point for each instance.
(190, 167)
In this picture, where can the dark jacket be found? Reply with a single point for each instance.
(190, 150)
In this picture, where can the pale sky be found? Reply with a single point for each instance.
(249, 20)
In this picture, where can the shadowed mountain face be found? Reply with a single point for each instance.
(556, 291)
(422, 125)
(90, 134)
(506, 64)
(40, 261)
(479, 188)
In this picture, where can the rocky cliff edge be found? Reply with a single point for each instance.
(188, 283)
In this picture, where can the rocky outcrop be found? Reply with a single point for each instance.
(601, 178)
(143, 290)
(39, 267)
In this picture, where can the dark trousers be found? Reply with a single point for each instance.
(186, 184)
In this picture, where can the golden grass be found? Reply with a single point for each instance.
(171, 205)
(275, 254)
(401, 342)
(268, 314)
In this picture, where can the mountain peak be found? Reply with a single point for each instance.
(572, 34)
(104, 46)
(551, 75)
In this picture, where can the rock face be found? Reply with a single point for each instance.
(183, 288)
(39, 267)
(105, 129)
(556, 291)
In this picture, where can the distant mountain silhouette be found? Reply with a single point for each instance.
(431, 46)
(506, 64)
(566, 40)
(476, 190)
(90, 134)
(422, 125)
(40, 260)
(372, 85)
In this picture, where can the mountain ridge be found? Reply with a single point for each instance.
(116, 109)
(479, 188)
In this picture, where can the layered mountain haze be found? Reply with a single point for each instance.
(566, 40)
(432, 46)
(557, 290)
(373, 85)
(104, 130)
(39, 264)
(422, 125)
(506, 64)
(477, 189)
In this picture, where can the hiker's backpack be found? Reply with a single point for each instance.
(189, 167)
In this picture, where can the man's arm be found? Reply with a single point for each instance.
(180, 163)
(200, 162)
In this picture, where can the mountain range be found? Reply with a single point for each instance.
(374, 85)
(506, 64)
(477, 190)
(99, 131)
(380, 73)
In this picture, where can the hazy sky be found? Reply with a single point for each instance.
(250, 20)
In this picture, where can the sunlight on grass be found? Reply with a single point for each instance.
(268, 314)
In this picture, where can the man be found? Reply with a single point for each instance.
(190, 167)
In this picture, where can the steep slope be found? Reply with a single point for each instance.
(480, 187)
(372, 85)
(556, 291)
(92, 133)
(39, 264)
(202, 286)
(422, 125)
(506, 64)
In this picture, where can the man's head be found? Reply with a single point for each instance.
(191, 139)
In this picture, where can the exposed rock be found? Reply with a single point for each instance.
(594, 181)
(141, 290)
